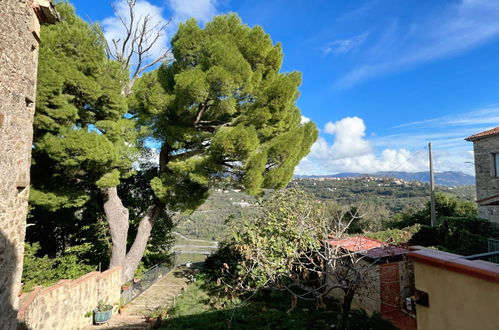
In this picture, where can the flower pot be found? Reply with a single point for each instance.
(121, 310)
(125, 287)
(102, 317)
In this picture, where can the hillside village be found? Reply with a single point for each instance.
(218, 230)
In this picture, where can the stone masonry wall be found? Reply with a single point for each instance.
(19, 37)
(63, 305)
(367, 295)
(487, 184)
(18, 69)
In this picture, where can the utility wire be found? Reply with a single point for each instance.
(408, 159)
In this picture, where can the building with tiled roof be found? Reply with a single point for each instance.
(486, 149)
(484, 134)
(373, 249)
(387, 277)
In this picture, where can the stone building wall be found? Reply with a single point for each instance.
(367, 295)
(64, 305)
(384, 288)
(487, 184)
(19, 37)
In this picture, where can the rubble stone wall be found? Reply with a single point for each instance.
(18, 69)
(19, 40)
(487, 183)
(65, 304)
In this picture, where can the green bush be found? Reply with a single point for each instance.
(460, 235)
(426, 236)
(445, 206)
(359, 320)
(395, 236)
(45, 271)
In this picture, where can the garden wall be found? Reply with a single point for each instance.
(64, 304)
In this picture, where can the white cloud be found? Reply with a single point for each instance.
(349, 139)
(460, 27)
(201, 10)
(387, 160)
(304, 119)
(486, 116)
(342, 46)
(113, 27)
(352, 152)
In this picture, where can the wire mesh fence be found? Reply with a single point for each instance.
(148, 278)
(494, 246)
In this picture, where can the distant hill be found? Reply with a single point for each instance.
(449, 178)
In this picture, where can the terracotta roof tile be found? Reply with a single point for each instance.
(369, 247)
(480, 135)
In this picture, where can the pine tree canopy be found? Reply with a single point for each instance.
(81, 136)
(222, 109)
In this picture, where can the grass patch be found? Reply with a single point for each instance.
(182, 258)
(268, 310)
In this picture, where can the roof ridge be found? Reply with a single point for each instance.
(487, 133)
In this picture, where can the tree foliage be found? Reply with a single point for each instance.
(42, 270)
(290, 248)
(262, 252)
(81, 138)
(460, 235)
(222, 109)
(445, 206)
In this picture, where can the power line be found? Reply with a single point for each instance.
(408, 159)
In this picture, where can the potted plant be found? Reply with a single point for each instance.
(121, 305)
(125, 286)
(102, 313)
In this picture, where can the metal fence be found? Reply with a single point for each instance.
(148, 278)
(493, 247)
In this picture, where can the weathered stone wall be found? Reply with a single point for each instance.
(18, 65)
(367, 295)
(64, 305)
(487, 184)
(384, 288)
(19, 35)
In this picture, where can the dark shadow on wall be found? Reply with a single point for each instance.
(8, 263)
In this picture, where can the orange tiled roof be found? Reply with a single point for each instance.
(480, 135)
(367, 246)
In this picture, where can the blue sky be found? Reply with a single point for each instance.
(381, 78)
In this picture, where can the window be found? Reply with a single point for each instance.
(495, 163)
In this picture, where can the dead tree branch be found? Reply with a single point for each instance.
(133, 50)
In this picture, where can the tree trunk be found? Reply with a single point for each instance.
(117, 217)
(136, 252)
(347, 302)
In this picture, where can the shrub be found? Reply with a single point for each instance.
(426, 236)
(445, 206)
(46, 271)
(460, 235)
(395, 236)
(359, 320)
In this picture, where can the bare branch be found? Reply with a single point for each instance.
(133, 51)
